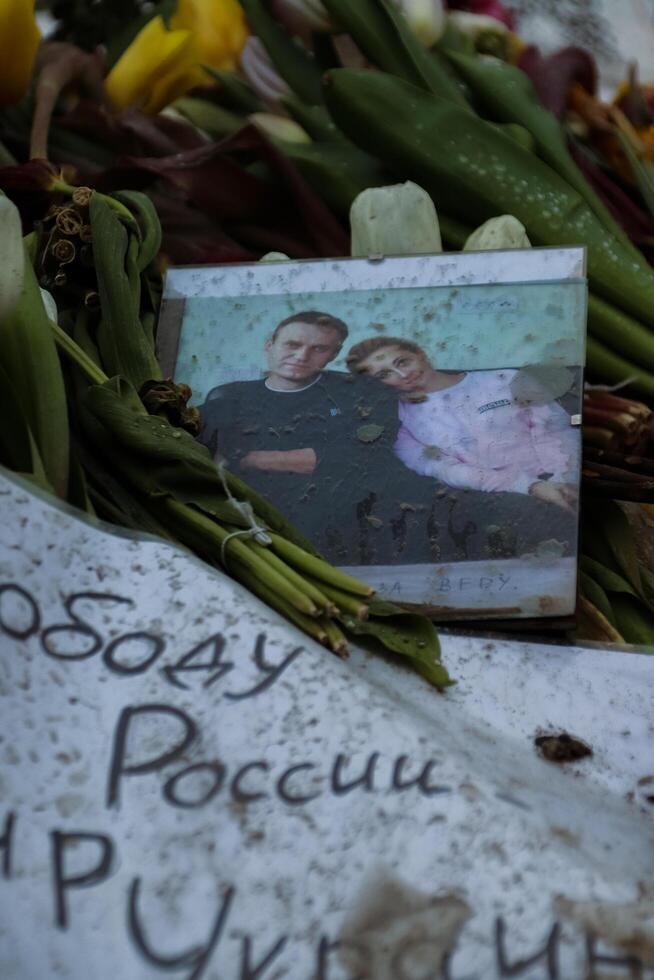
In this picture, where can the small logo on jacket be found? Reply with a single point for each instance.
(498, 404)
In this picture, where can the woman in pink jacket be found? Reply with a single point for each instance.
(481, 430)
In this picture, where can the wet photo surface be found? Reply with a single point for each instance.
(416, 418)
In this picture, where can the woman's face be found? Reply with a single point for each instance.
(403, 369)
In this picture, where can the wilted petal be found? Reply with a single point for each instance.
(262, 75)
(426, 19)
(504, 231)
(12, 256)
(397, 220)
(19, 40)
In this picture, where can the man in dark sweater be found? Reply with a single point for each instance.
(317, 443)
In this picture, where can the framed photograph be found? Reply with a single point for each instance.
(417, 418)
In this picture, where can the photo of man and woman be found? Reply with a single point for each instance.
(396, 444)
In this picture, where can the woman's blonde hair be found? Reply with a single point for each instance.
(361, 352)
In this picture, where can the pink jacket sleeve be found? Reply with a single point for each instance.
(429, 461)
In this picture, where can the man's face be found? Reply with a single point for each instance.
(301, 350)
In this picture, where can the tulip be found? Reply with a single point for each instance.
(484, 31)
(156, 68)
(218, 27)
(504, 231)
(426, 18)
(396, 220)
(160, 65)
(12, 256)
(262, 76)
(19, 40)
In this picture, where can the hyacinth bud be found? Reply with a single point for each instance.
(279, 127)
(426, 18)
(504, 231)
(301, 17)
(262, 75)
(396, 220)
(12, 256)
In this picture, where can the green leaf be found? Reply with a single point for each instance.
(407, 634)
(29, 357)
(384, 36)
(209, 117)
(336, 171)
(608, 537)
(148, 222)
(607, 579)
(236, 93)
(509, 95)
(124, 348)
(473, 172)
(641, 167)
(18, 449)
(596, 594)
(634, 620)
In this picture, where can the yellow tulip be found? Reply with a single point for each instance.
(19, 40)
(219, 28)
(154, 70)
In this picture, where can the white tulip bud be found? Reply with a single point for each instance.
(12, 256)
(504, 231)
(475, 24)
(274, 257)
(397, 220)
(426, 18)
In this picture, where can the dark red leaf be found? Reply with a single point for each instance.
(638, 223)
(554, 75)
(324, 231)
(130, 132)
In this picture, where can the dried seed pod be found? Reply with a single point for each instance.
(60, 279)
(92, 300)
(69, 221)
(81, 196)
(85, 233)
(64, 251)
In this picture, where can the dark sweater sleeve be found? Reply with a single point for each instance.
(217, 415)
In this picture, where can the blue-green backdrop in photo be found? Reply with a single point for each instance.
(467, 328)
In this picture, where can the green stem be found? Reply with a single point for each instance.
(207, 535)
(66, 188)
(312, 591)
(309, 625)
(318, 568)
(346, 602)
(335, 638)
(75, 353)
